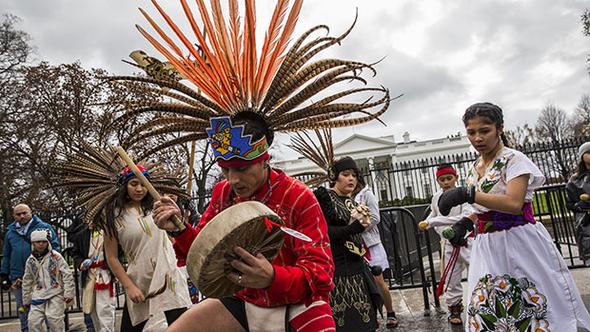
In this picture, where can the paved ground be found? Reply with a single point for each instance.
(407, 303)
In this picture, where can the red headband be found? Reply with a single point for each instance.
(238, 162)
(445, 170)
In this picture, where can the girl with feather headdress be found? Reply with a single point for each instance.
(119, 208)
(244, 96)
(355, 299)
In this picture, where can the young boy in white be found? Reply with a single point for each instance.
(446, 177)
(48, 284)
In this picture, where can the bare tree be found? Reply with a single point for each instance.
(53, 109)
(204, 174)
(553, 127)
(15, 51)
(581, 117)
(520, 136)
(586, 29)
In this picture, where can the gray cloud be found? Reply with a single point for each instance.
(442, 55)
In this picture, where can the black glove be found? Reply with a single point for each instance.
(460, 229)
(5, 282)
(583, 206)
(454, 197)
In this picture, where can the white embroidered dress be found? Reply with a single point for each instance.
(518, 280)
(151, 261)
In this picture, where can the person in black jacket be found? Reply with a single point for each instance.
(577, 187)
(355, 298)
(98, 298)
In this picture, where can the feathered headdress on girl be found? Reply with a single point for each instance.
(321, 154)
(270, 91)
(95, 176)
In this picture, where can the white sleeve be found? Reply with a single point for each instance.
(68, 280)
(28, 281)
(519, 165)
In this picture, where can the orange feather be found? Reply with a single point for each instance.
(279, 51)
(270, 41)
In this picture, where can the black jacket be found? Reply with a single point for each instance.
(576, 186)
(80, 239)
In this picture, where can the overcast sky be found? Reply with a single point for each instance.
(442, 55)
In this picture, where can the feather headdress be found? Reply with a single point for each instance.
(321, 154)
(277, 86)
(95, 175)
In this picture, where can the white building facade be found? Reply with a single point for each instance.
(377, 155)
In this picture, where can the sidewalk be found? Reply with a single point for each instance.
(407, 304)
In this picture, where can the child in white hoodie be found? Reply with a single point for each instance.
(48, 284)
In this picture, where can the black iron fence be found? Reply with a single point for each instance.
(414, 182)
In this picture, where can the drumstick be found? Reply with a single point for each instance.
(155, 194)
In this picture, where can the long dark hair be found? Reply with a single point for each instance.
(114, 210)
(490, 112)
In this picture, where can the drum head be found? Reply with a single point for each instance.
(241, 225)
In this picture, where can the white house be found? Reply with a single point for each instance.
(379, 153)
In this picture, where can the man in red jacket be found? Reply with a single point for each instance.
(292, 292)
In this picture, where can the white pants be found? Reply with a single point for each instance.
(103, 315)
(454, 293)
(52, 310)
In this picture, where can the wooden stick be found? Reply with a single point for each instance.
(144, 181)
(189, 185)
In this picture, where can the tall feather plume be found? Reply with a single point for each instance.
(283, 84)
(321, 154)
(92, 173)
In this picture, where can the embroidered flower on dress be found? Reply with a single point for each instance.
(533, 298)
(493, 175)
(475, 324)
(540, 325)
(504, 303)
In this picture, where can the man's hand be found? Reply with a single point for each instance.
(164, 209)
(135, 294)
(68, 300)
(455, 196)
(254, 271)
(17, 283)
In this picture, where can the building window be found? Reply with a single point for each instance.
(383, 195)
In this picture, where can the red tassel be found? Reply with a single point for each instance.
(268, 223)
(440, 290)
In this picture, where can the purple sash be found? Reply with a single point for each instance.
(493, 221)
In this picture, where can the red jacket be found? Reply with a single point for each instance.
(303, 270)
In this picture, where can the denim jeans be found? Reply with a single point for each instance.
(18, 295)
(88, 321)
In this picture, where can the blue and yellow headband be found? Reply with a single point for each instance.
(229, 142)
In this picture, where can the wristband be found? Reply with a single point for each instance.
(178, 232)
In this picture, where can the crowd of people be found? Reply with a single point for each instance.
(334, 281)
(325, 271)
